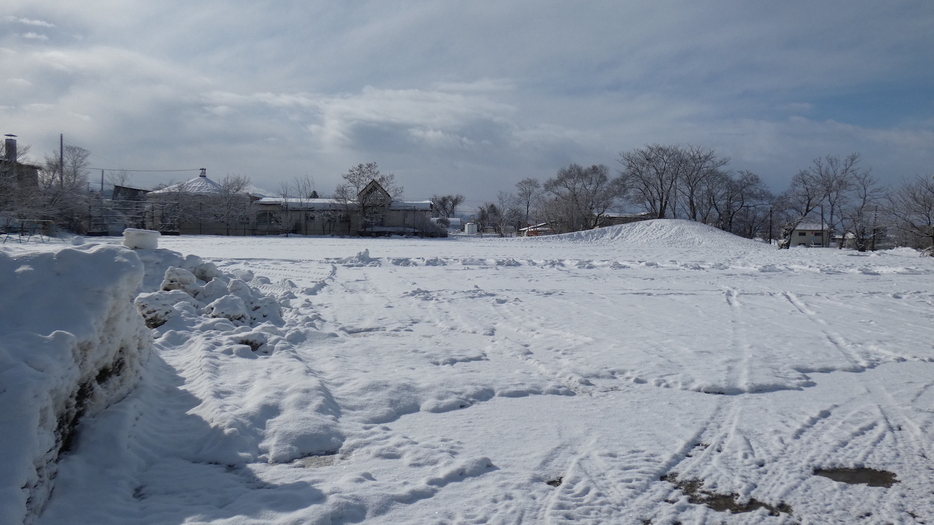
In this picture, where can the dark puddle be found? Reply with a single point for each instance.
(694, 490)
(857, 476)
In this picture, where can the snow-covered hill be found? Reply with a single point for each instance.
(660, 233)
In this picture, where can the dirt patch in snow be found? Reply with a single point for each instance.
(694, 490)
(555, 482)
(859, 476)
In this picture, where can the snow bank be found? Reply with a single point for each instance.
(71, 344)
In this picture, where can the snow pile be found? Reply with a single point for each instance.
(225, 336)
(219, 297)
(71, 344)
(361, 259)
(658, 233)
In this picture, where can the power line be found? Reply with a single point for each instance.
(145, 171)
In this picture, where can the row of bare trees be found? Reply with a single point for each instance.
(695, 183)
(848, 201)
(659, 181)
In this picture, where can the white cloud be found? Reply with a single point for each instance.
(491, 91)
(29, 22)
(220, 111)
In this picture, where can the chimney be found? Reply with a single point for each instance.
(9, 146)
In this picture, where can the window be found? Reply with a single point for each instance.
(266, 218)
(802, 234)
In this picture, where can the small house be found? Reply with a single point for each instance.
(810, 234)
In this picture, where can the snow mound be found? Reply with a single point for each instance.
(658, 233)
(220, 297)
(71, 344)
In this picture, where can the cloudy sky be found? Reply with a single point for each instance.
(457, 96)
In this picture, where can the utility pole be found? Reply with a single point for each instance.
(61, 160)
(770, 226)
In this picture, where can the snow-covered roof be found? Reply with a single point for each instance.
(257, 192)
(816, 226)
(536, 227)
(200, 185)
(294, 203)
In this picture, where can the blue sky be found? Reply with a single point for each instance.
(467, 96)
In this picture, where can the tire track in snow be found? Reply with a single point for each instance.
(738, 374)
(612, 483)
(836, 340)
(696, 458)
(521, 341)
(857, 433)
(869, 427)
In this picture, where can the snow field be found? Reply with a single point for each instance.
(593, 378)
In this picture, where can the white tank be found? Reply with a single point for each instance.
(470, 228)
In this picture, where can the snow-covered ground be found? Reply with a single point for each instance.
(657, 372)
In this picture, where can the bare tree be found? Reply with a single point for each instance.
(742, 203)
(837, 177)
(580, 197)
(489, 216)
(287, 221)
(912, 206)
(446, 205)
(510, 211)
(64, 187)
(651, 176)
(118, 177)
(826, 185)
(231, 205)
(305, 187)
(860, 216)
(367, 203)
(528, 192)
(800, 200)
(698, 165)
(301, 189)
